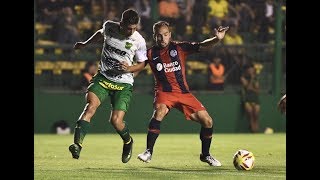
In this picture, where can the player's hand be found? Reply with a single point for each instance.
(79, 45)
(123, 66)
(221, 31)
(282, 104)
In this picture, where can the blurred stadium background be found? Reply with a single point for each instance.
(257, 34)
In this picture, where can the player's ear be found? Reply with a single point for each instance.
(154, 37)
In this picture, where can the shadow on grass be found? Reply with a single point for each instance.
(152, 168)
(112, 169)
(221, 168)
(270, 169)
(274, 170)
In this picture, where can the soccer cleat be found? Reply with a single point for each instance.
(75, 150)
(145, 156)
(127, 151)
(210, 160)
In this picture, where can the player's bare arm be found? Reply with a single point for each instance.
(244, 82)
(135, 74)
(250, 85)
(209, 43)
(256, 87)
(132, 69)
(96, 37)
(253, 87)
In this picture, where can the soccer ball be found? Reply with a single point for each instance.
(243, 160)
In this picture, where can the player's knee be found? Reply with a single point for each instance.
(249, 111)
(113, 120)
(91, 109)
(116, 120)
(159, 114)
(207, 122)
(161, 111)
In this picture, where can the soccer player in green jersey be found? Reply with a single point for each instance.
(121, 42)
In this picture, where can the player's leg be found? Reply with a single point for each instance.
(282, 104)
(161, 110)
(116, 119)
(256, 112)
(162, 104)
(249, 112)
(159, 113)
(95, 95)
(83, 123)
(194, 110)
(206, 132)
(153, 131)
(120, 101)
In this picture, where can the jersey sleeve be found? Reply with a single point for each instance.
(189, 47)
(141, 52)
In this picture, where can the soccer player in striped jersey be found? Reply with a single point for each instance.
(121, 43)
(167, 60)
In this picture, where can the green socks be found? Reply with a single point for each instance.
(80, 131)
(124, 133)
(82, 128)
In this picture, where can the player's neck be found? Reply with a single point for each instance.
(121, 32)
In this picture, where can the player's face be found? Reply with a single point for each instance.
(251, 71)
(129, 29)
(163, 36)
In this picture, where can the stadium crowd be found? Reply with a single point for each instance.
(64, 22)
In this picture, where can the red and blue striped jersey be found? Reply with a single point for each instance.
(168, 65)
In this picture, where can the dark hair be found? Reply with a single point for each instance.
(130, 16)
(247, 66)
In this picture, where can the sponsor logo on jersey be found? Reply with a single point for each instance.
(173, 53)
(110, 86)
(128, 45)
(113, 49)
(169, 67)
(159, 66)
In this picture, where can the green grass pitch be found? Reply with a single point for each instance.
(176, 156)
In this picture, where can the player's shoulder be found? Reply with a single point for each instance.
(187, 46)
(181, 43)
(138, 37)
(152, 48)
(176, 42)
(110, 24)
